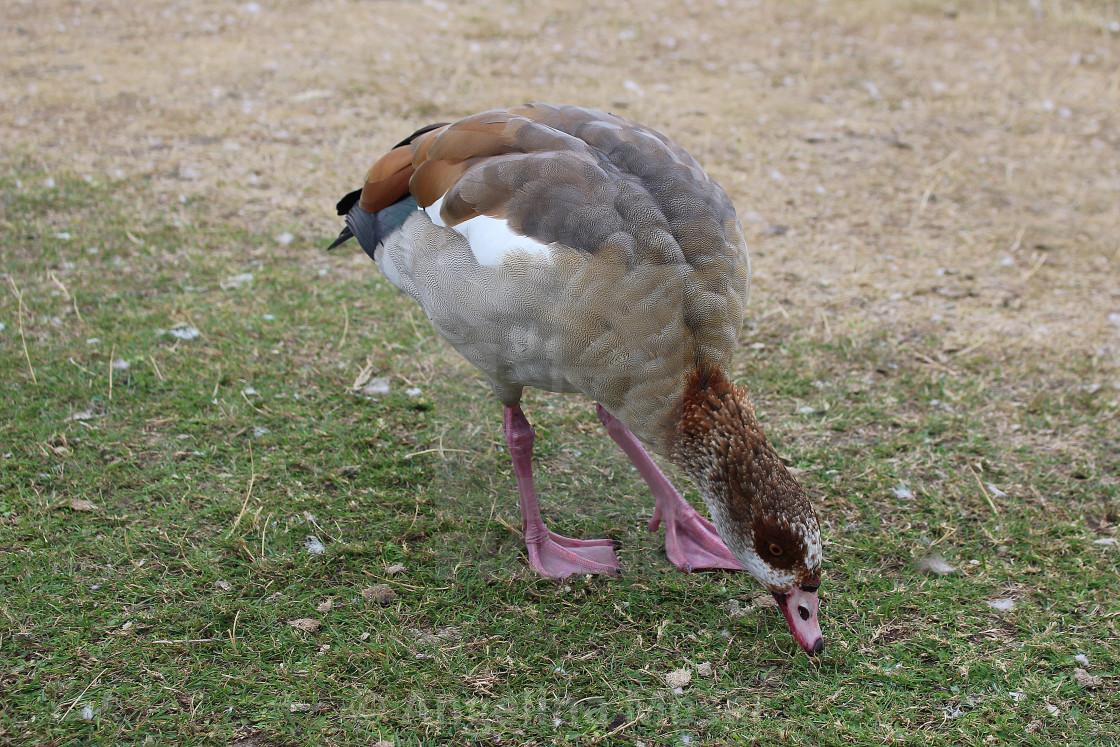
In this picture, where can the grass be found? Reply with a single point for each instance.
(932, 340)
(161, 614)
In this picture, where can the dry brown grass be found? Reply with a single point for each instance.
(940, 168)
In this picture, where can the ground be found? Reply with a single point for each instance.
(931, 194)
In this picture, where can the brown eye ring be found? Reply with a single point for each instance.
(775, 549)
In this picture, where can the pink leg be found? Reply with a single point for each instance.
(691, 541)
(550, 554)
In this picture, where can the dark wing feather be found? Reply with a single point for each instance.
(422, 131)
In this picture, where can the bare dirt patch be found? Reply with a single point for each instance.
(923, 168)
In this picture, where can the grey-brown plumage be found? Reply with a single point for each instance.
(575, 251)
(646, 274)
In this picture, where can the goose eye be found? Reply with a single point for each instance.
(775, 549)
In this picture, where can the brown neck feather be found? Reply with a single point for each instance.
(718, 441)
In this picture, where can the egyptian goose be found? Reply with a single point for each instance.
(576, 251)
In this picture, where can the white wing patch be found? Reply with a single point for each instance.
(491, 239)
(433, 212)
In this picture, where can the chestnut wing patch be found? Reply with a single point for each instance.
(387, 180)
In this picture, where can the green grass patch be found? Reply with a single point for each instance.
(158, 496)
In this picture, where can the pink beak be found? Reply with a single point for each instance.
(800, 608)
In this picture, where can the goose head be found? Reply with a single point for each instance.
(759, 509)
